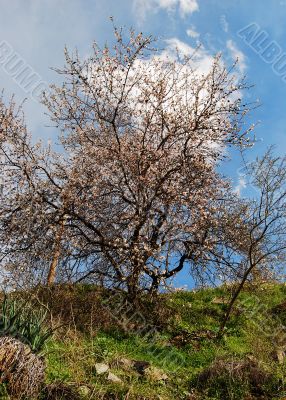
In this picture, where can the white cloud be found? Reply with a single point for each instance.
(241, 185)
(202, 60)
(237, 54)
(174, 44)
(192, 33)
(168, 4)
(188, 6)
(185, 7)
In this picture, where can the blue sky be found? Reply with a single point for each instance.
(38, 30)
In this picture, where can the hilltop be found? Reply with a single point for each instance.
(167, 349)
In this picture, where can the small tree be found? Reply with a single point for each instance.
(264, 239)
(127, 199)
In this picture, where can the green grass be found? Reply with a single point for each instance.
(72, 354)
(72, 360)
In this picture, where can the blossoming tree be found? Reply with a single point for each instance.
(134, 195)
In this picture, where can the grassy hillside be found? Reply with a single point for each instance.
(168, 350)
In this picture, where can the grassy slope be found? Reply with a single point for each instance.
(182, 349)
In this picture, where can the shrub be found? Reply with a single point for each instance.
(60, 391)
(234, 379)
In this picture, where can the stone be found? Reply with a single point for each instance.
(101, 368)
(155, 374)
(140, 366)
(113, 378)
(84, 391)
(125, 364)
(280, 354)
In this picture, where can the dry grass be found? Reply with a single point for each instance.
(227, 374)
(60, 391)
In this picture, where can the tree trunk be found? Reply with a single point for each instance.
(233, 300)
(133, 287)
(57, 252)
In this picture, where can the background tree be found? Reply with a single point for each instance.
(264, 217)
(126, 200)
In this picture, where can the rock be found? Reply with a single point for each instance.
(280, 354)
(140, 366)
(155, 374)
(113, 378)
(125, 364)
(84, 391)
(23, 370)
(101, 368)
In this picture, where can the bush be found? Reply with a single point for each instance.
(235, 379)
(60, 391)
